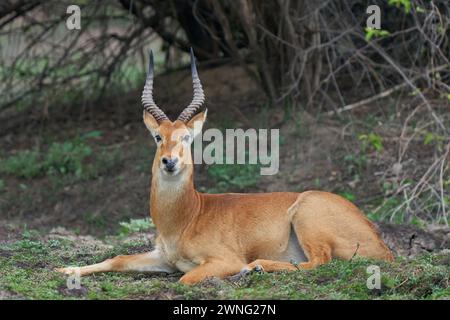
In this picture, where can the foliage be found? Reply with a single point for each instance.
(66, 157)
(433, 138)
(135, 225)
(406, 4)
(348, 195)
(69, 158)
(357, 162)
(371, 140)
(233, 177)
(25, 164)
(371, 32)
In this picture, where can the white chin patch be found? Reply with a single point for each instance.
(171, 173)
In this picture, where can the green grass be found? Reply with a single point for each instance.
(74, 159)
(26, 271)
(135, 225)
(233, 177)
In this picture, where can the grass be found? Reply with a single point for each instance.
(26, 271)
(135, 225)
(73, 158)
(233, 177)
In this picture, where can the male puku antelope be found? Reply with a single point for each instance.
(206, 235)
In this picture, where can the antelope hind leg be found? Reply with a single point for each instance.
(270, 266)
(212, 268)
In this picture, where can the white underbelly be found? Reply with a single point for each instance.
(293, 251)
(185, 265)
(174, 257)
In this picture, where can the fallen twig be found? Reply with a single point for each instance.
(356, 251)
(385, 93)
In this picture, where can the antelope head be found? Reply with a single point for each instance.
(173, 138)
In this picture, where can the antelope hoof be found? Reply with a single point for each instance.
(246, 271)
(258, 268)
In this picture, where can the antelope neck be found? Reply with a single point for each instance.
(174, 201)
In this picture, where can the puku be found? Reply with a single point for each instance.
(219, 235)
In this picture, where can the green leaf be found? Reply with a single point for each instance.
(419, 9)
(371, 32)
(429, 137)
(348, 195)
(376, 141)
(92, 134)
(135, 225)
(406, 4)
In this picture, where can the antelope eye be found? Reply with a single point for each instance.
(186, 138)
(158, 138)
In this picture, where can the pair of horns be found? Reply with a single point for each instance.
(150, 105)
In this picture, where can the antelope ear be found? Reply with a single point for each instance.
(195, 125)
(150, 122)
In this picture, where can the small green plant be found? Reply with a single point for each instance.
(29, 234)
(31, 246)
(418, 222)
(433, 138)
(67, 157)
(357, 163)
(135, 225)
(60, 159)
(348, 195)
(2, 185)
(371, 140)
(385, 210)
(371, 32)
(25, 164)
(406, 4)
(233, 176)
(95, 220)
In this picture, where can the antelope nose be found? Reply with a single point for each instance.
(169, 163)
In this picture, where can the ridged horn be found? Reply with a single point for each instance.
(199, 96)
(147, 95)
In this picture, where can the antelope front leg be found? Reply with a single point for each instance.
(213, 268)
(152, 261)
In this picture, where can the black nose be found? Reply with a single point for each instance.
(169, 163)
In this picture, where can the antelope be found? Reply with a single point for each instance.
(222, 235)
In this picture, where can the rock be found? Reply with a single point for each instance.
(397, 168)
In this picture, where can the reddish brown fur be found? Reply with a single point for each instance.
(220, 234)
